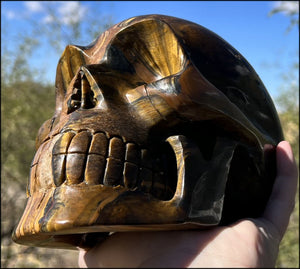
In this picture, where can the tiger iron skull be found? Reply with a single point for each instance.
(159, 124)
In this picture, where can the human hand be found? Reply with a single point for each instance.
(246, 243)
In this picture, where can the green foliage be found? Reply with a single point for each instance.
(288, 106)
(289, 248)
(25, 105)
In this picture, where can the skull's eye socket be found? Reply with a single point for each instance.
(83, 95)
(151, 48)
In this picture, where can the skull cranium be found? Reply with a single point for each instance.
(159, 124)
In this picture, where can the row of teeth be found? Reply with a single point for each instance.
(96, 159)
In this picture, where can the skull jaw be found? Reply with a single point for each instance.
(68, 226)
(79, 210)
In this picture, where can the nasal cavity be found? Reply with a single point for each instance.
(83, 95)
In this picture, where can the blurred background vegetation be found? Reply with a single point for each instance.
(26, 102)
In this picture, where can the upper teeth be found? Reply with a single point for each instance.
(96, 159)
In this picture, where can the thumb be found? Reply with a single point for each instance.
(282, 199)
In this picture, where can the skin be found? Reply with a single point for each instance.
(246, 243)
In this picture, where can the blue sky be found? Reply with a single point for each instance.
(260, 38)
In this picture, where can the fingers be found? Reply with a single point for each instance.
(282, 200)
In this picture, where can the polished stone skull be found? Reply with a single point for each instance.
(159, 125)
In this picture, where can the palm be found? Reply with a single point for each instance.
(220, 246)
